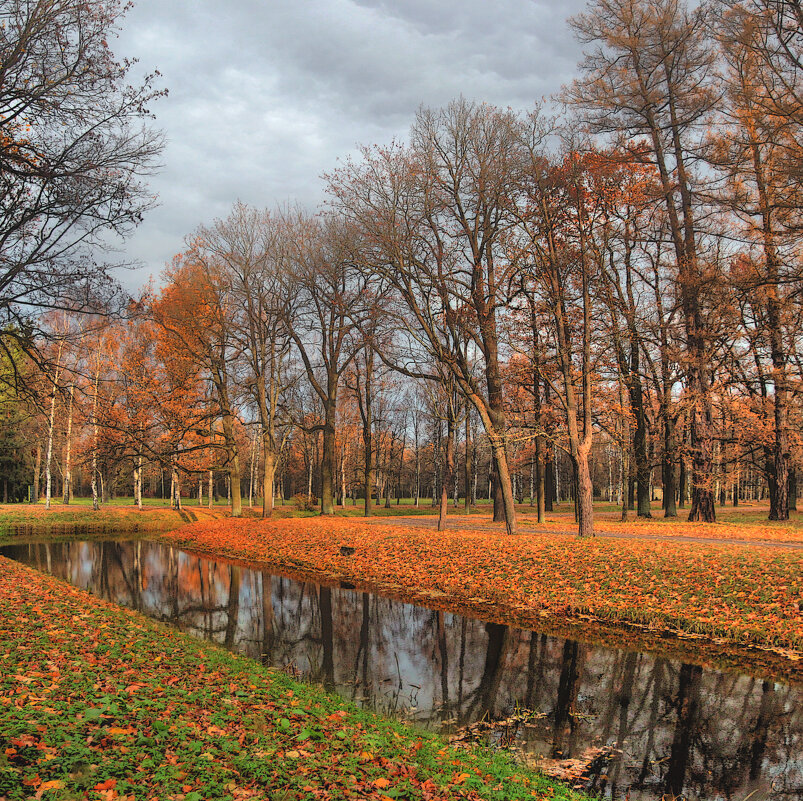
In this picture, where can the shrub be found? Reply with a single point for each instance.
(304, 503)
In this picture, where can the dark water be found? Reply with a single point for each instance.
(673, 729)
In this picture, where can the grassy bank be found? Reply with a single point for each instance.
(37, 520)
(98, 702)
(737, 594)
(26, 521)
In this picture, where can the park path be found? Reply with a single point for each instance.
(529, 526)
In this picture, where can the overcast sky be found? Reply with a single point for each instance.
(264, 96)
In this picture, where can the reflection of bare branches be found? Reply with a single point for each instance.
(713, 734)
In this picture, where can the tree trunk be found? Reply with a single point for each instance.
(328, 460)
(779, 500)
(626, 484)
(505, 487)
(448, 470)
(251, 470)
(343, 460)
(138, 482)
(235, 487)
(95, 505)
(175, 486)
(682, 481)
(234, 464)
(540, 484)
(417, 471)
(498, 497)
(549, 480)
(585, 496)
(368, 466)
(494, 423)
(469, 462)
(388, 482)
(583, 485)
(668, 467)
(268, 477)
(641, 455)
(49, 460)
(37, 471)
(67, 494)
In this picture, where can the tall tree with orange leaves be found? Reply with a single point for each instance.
(193, 314)
(649, 75)
(751, 151)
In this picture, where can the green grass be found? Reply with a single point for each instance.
(124, 500)
(94, 697)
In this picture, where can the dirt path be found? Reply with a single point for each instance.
(529, 526)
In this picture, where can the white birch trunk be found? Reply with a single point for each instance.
(175, 485)
(138, 488)
(95, 504)
(49, 461)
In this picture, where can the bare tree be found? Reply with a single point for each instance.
(330, 298)
(250, 247)
(74, 150)
(432, 217)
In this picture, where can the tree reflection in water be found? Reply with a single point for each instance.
(682, 730)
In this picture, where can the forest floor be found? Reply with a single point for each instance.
(101, 703)
(749, 530)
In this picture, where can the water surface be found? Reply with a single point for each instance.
(667, 728)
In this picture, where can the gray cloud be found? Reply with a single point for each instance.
(266, 96)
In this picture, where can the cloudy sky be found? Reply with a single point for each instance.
(265, 95)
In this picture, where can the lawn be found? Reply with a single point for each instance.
(98, 702)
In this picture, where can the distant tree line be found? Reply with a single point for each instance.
(604, 302)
